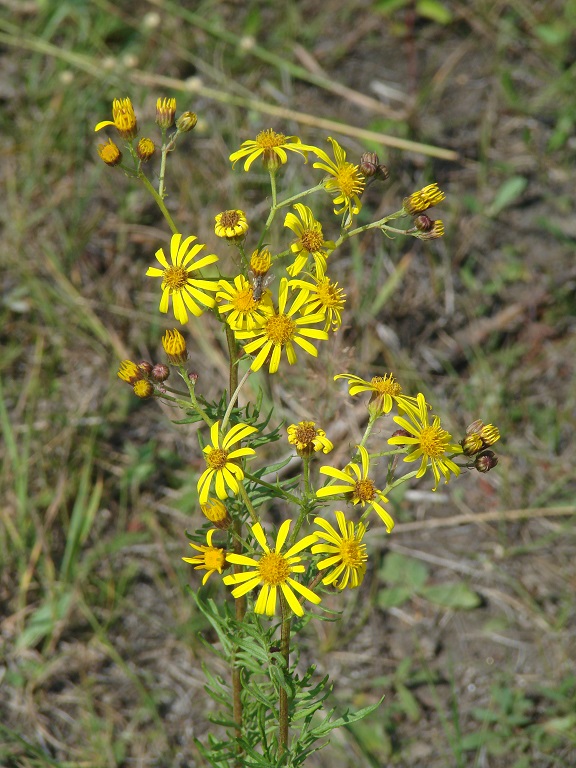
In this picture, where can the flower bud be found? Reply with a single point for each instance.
(485, 461)
(175, 347)
(217, 513)
(193, 378)
(165, 112)
(401, 433)
(143, 389)
(471, 444)
(420, 201)
(110, 153)
(129, 372)
(145, 149)
(260, 262)
(231, 224)
(186, 122)
(489, 434)
(369, 163)
(145, 367)
(436, 230)
(160, 372)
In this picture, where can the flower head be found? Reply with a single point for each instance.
(271, 146)
(310, 241)
(357, 486)
(217, 513)
(231, 224)
(273, 570)
(221, 463)
(385, 392)
(308, 438)
(143, 389)
(175, 346)
(130, 372)
(345, 552)
(238, 299)
(165, 112)
(123, 119)
(178, 282)
(324, 297)
(282, 330)
(186, 122)
(110, 153)
(347, 181)
(425, 198)
(145, 149)
(429, 442)
(210, 559)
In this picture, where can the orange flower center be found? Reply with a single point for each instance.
(230, 219)
(174, 278)
(386, 385)
(364, 490)
(312, 240)
(353, 553)
(215, 559)
(269, 139)
(329, 293)
(348, 180)
(433, 441)
(243, 301)
(274, 569)
(217, 458)
(280, 329)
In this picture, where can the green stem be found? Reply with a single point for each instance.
(264, 484)
(165, 149)
(240, 612)
(160, 203)
(374, 225)
(196, 405)
(246, 500)
(283, 700)
(235, 397)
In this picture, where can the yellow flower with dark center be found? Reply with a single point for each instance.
(130, 372)
(355, 484)
(175, 346)
(429, 442)
(346, 182)
(424, 198)
(385, 392)
(231, 224)
(210, 559)
(282, 330)
(245, 312)
(221, 464)
(110, 153)
(123, 119)
(345, 552)
(324, 296)
(308, 438)
(271, 146)
(178, 282)
(310, 241)
(273, 571)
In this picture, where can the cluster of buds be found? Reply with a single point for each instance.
(416, 204)
(372, 168)
(125, 122)
(146, 377)
(479, 438)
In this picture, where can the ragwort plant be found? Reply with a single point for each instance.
(274, 580)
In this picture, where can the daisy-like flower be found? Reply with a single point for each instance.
(178, 282)
(271, 146)
(110, 153)
(357, 486)
(430, 442)
(310, 241)
(221, 461)
(210, 559)
(246, 313)
(274, 569)
(324, 296)
(347, 182)
(231, 224)
(281, 330)
(345, 551)
(308, 438)
(385, 392)
(123, 119)
(422, 199)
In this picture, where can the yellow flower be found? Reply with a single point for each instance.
(110, 153)
(273, 570)
(178, 281)
(231, 224)
(324, 296)
(123, 119)
(143, 389)
(165, 112)
(308, 438)
(175, 346)
(425, 198)
(385, 392)
(245, 312)
(345, 551)
(130, 372)
(210, 559)
(271, 146)
(282, 330)
(355, 483)
(221, 461)
(217, 513)
(145, 149)
(430, 442)
(347, 182)
(310, 241)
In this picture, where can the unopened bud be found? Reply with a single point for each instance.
(110, 153)
(193, 377)
(471, 444)
(160, 372)
(165, 112)
(145, 149)
(145, 367)
(186, 122)
(143, 389)
(485, 461)
(369, 163)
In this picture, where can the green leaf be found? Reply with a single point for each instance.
(435, 11)
(456, 595)
(508, 193)
(392, 597)
(404, 571)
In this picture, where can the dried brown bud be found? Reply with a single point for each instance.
(485, 461)
(160, 372)
(145, 366)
